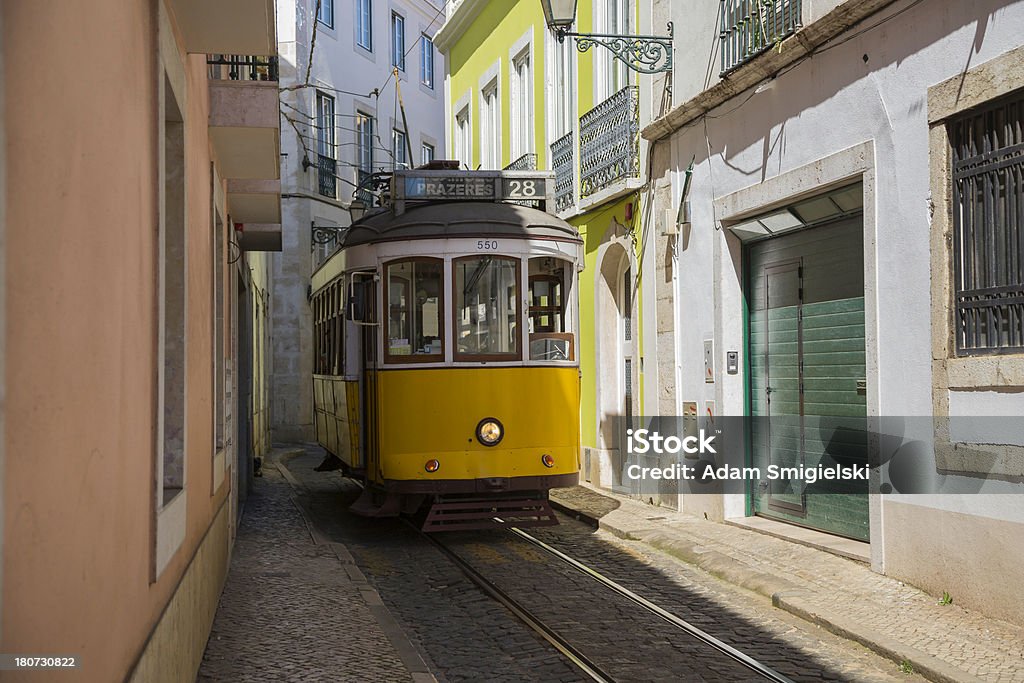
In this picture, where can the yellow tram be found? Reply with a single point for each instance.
(446, 369)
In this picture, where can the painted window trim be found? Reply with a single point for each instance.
(328, 4)
(358, 24)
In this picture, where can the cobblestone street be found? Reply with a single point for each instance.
(290, 611)
(316, 593)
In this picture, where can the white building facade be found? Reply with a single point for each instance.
(850, 248)
(342, 121)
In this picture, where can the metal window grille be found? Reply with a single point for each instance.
(610, 141)
(627, 305)
(527, 162)
(988, 228)
(242, 68)
(563, 159)
(749, 27)
(628, 382)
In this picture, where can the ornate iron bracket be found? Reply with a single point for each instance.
(324, 234)
(643, 54)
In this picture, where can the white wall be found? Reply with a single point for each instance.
(338, 64)
(872, 88)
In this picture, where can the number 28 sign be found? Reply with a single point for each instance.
(523, 188)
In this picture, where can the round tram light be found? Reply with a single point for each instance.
(432, 465)
(489, 431)
(547, 460)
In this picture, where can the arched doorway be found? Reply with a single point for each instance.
(616, 371)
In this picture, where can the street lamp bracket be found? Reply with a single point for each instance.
(643, 54)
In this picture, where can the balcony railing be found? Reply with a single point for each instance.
(327, 178)
(242, 68)
(527, 162)
(749, 27)
(562, 162)
(610, 141)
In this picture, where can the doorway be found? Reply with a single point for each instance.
(808, 387)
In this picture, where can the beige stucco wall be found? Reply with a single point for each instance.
(986, 578)
(82, 120)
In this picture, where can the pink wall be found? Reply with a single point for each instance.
(81, 111)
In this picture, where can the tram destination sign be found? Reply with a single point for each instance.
(449, 188)
(479, 186)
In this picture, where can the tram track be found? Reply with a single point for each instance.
(563, 642)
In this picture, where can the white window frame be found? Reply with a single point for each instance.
(427, 153)
(399, 149)
(462, 139)
(326, 13)
(364, 132)
(561, 88)
(490, 126)
(426, 61)
(364, 24)
(325, 130)
(521, 103)
(610, 74)
(398, 41)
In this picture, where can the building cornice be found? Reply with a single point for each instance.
(767, 65)
(457, 23)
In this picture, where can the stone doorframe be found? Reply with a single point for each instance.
(850, 165)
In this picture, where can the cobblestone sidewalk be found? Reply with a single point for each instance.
(942, 642)
(293, 610)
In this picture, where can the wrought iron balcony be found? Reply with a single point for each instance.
(749, 27)
(610, 141)
(562, 163)
(527, 162)
(242, 68)
(327, 179)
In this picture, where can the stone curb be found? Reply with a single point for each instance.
(928, 666)
(783, 594)
(408, 653)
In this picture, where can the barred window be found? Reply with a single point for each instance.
(988, 228)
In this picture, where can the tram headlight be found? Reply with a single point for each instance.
(489, 431)
(432, 466)
(547, 460)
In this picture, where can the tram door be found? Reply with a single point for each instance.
(364, 293)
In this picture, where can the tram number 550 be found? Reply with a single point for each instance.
(527, 188)
(487, 245)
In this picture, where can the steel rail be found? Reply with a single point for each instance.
(579, 659)
(697, 633)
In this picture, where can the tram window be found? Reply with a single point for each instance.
(328, 329)
(414, 297)
(551, 335)
(486, 308)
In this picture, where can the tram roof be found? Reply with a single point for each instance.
(439, 220)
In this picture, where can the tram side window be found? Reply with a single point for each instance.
(551, 335)
(414, 298)
(328, 329)
(486, 308)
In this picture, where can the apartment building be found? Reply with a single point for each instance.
(838, 189)
(345, 116)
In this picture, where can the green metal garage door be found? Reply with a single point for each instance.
(805, 297)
